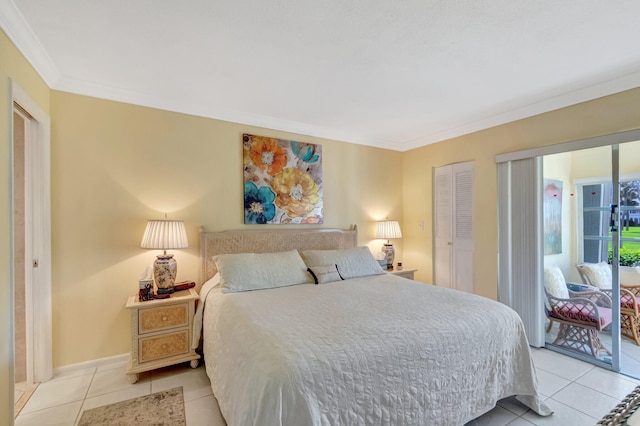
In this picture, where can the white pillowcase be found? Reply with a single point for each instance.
(352, 263)
(555, 283)
(598, 274)
(257, 271)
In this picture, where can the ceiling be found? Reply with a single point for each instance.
(386, 73)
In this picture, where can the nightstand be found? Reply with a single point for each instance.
(404, 273)
(161, 332)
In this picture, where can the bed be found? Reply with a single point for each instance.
(369, 349)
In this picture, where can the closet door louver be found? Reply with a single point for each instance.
(453, 226)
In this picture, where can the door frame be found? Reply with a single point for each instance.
(38, 301)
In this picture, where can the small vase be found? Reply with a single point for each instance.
(165, 268)
(389, 254)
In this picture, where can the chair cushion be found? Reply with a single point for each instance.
(606, 316)
(575, 312)
(598, 274)
(555, 283)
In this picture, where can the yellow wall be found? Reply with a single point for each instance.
(12, 66)
(602, 116)
(116, 165)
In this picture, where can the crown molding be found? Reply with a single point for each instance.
(19, 32)
(88, 88)
(585, 93)
(588, 92)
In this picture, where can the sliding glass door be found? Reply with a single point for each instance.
(581, 250)
(617, 247)
(569, 230)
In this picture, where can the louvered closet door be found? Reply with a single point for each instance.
(453, 225)
(443, 226)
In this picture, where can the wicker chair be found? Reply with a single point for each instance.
(599, 275)
(580, 318)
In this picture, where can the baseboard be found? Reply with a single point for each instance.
(66, 370)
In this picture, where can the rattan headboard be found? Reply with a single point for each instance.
(269, 241)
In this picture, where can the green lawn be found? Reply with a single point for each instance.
(633, 232)
(630, 250)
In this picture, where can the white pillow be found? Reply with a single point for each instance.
(598, 274)
(555, 283)
(256, 271)
(325, 274)
(352, 263)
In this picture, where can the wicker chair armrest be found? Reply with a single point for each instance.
(631, 298)
(601, 298)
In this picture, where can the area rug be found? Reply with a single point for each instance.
(157, 409)
(625, 413)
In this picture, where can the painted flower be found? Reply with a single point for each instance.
(312, 220)
(296, 192)
(305, 151)
(267, 155)
(258, 203)
(249, 171)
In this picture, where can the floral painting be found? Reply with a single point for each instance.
(282, 181)
(552, 206)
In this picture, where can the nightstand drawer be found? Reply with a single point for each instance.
(164, 346)
(163, 317)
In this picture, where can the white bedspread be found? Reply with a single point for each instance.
(378, 350)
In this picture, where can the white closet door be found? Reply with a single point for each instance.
(443, 226)
(463, 227)
(453, 226)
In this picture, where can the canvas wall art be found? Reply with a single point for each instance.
(552, 205)
(282, 181)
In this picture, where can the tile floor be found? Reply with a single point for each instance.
(579, 394)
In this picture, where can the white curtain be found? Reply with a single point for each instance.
(520, 241)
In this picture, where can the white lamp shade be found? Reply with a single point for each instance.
(165, 234)
(388, 229)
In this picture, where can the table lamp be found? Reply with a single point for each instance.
(388, 229)
(163, 235)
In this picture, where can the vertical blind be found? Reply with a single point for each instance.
(520, 242)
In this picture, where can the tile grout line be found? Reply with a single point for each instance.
(85, 397)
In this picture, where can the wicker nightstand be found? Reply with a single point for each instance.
(404, 273)
(161, 332)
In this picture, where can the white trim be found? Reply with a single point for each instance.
(70, 369)
(597, 141)
(605, 179)
(20, 33)
(37, 237)
(590, 92)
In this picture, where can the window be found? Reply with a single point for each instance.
(595, 209)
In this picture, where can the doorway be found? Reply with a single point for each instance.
(595, 251)
(20, 120)
(521, 233)
(31, 242)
